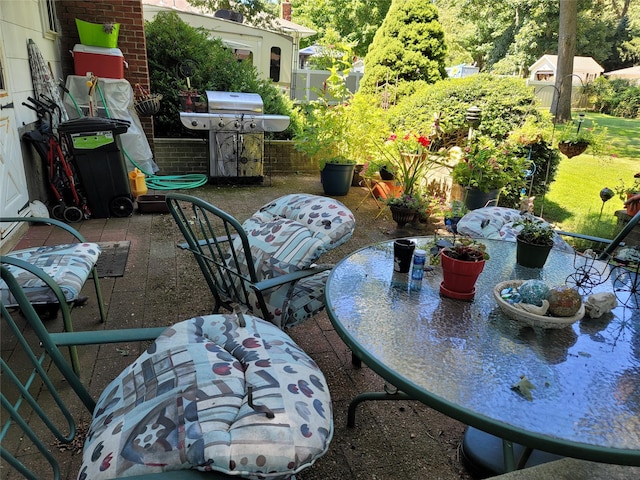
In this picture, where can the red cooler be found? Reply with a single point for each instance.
(102, 62)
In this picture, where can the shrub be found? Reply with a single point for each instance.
(619, 98)
(531, 142)
(409, 46)
(170, 43)
(505, 104)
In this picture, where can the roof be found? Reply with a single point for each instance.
(631, 72)
(280, 24)
(580, 64)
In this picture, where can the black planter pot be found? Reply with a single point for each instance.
(402, 215)
(475, 198)
(357, 176)
(336, 178)
(531, 256)
(385, 174)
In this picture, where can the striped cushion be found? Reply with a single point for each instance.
(184, 404)
(69, 265)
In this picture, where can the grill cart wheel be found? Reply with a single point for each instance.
(121, 207)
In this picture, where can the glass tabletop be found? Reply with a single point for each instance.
(463, 358)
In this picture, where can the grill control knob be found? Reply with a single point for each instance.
(237, 124)
(252, 125)
(221, 124)
(194, 123)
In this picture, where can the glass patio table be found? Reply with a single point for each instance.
(463, 358)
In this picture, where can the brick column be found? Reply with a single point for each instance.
(131, 40)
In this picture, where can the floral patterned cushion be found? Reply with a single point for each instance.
(328, 219)
(290, 234)
(184, 404)
(69, 265)
(498, 223)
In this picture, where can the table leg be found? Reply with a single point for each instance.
(362, 397)
(488, 455)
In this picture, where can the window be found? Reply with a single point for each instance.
(49, 19)
(274, 70)
(242, 54)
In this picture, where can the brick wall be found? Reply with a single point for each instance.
(179, 156)
(131, 40)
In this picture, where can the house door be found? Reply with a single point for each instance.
(14, 197)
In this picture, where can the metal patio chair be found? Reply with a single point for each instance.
(265, 265)
(70, 264)
(208, 399)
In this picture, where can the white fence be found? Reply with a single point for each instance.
(305, 83)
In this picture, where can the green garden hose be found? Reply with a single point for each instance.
(156, 182)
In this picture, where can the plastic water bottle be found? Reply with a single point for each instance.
(417, 271)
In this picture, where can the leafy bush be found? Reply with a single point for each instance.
(409, 46)
(172, 44)
(531, 142)
(619, 98)
(505, 103)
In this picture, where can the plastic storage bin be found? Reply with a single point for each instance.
(102, 62)
(98, 34)
(96, 155)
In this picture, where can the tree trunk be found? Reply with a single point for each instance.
(561, 106)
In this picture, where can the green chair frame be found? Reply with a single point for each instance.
(210, 234)
(21, 407)
(77, 236)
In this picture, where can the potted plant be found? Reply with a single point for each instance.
(625, 192)
(324, 138)
(404, 208)
(462, 262)
(534, 242)
(483, 169)
(573, 138)
(336, 175)
(453, 214)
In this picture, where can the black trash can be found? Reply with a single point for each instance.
(100, 165)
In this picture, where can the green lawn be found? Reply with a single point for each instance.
(573, 202)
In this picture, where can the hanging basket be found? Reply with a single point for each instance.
(148, 106)
(572, 149)
(402, 215)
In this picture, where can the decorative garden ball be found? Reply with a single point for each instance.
(533, 292)
(564, 301)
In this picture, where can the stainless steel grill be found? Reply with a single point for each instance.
(236, 127)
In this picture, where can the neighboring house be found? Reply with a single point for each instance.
(272, 52)
(462, 70)
(631, 74)
(585, 69)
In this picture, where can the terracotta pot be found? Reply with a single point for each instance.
(459, 277)
(572, 149)
(632, 209)
(531, 256)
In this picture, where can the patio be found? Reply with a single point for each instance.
(162, 285)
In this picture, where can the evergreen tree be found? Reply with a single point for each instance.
(408, 47)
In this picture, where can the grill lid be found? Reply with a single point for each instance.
(234, 102)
